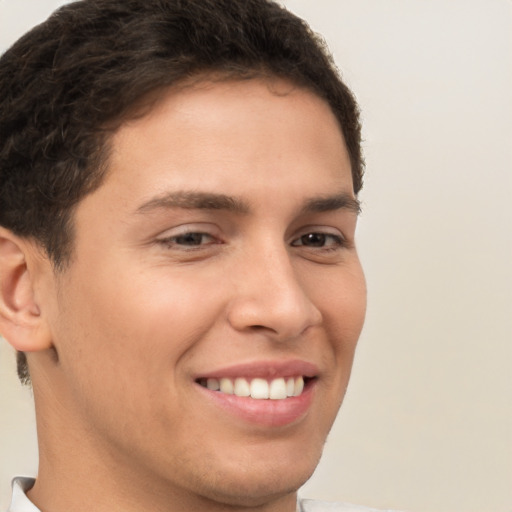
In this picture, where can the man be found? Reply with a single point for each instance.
(178, 271)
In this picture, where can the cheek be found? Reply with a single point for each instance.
(123, 325)
(175, 310)
(158, 324)
(119, 345)
(341, 297)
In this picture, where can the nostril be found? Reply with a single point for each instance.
(258, 328)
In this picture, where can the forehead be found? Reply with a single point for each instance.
(217, 122)
(272, 147)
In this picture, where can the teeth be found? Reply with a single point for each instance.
(277, 389)
(213, 384)
(242, 388)
(258, 389)
(226, 386)
(290, 387)
(299, 386)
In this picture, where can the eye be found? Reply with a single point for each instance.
(319, 240)
(188, 240)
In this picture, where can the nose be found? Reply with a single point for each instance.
(270, 298)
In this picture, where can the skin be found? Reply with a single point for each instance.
(140, 312)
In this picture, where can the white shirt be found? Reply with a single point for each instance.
(21, 503)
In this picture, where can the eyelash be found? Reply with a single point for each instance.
(337, 241)
(172, 241)
(195, 237)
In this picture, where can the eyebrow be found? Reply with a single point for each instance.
(211, 201)
(195, 201)
(330, 203)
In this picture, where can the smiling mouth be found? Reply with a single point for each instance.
(258, 389)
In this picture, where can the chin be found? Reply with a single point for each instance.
(255, 484)
(258, 492)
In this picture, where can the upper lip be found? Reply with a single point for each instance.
(264, 370)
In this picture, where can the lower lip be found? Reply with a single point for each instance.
(266, 413)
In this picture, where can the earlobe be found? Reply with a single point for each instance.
(21, 322)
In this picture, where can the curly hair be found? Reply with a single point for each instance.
(70, 82)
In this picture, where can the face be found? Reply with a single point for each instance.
(216, 261)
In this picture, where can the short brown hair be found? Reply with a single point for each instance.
(69, 82)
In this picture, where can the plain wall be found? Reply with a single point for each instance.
(427, 422)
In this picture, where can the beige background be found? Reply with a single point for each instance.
(427, 422)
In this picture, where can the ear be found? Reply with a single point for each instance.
(21, 322)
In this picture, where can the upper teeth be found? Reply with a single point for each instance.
(260, 389)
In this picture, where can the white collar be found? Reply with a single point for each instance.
(20, 502)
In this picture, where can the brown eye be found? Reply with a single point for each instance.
(188, 240)
(313, 239)
(318, 240)
(193, 239)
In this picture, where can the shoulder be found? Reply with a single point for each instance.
(325, 506)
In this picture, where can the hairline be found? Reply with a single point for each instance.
(146, 104)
